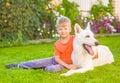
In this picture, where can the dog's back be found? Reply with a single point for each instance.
(105, 56)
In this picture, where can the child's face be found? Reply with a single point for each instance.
(64, 30)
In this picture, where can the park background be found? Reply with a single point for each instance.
(21, 21)
(28, 31)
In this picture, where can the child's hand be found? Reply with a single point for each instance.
(71, 66)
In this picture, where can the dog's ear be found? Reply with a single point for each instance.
(88, 26)
(77, 28)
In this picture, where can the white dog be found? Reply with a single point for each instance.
(81, 56)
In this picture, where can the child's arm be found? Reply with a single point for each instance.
(68, 66)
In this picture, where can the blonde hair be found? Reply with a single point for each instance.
(61, 21)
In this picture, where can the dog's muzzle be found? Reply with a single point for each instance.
(96, 43)
(89, 49)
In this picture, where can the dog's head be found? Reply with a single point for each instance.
(85, 37)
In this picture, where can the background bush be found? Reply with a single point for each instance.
(100, 10)
(21, 20)
(101, 18)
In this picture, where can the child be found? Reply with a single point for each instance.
(62, 52)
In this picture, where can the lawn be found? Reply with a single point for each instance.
(109, 73)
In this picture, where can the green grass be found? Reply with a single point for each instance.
(109, 73)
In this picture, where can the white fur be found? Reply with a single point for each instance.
(81, 58)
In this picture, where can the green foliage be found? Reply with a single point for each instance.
(20, 20)
(100, 10)
(69, 9)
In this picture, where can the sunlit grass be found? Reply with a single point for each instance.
(109, 73)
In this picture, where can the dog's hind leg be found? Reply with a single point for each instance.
(105, 55)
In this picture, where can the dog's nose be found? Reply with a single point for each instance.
(96, 43)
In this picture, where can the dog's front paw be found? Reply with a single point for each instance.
(62, 74)
(65, 74)
(70, 72)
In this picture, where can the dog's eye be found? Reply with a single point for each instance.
(87, 36)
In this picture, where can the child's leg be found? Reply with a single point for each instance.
(54, 68)
(39, 63)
